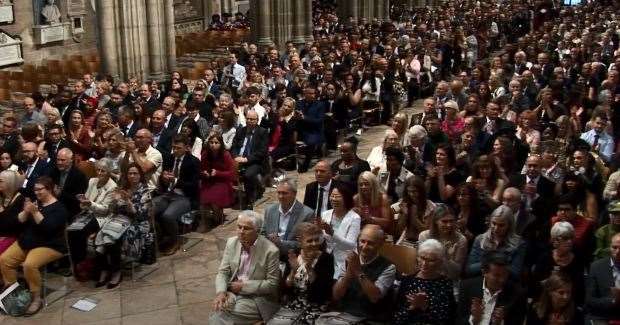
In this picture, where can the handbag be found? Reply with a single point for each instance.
(16, 302)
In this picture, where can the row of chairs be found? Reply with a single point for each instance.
(202, 41)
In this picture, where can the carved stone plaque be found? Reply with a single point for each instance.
(51, 33)
(10, 50)
(6, 14)
(76, 8)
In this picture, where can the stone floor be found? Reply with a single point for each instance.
(177, 289)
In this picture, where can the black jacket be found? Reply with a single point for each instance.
(75, 183)
(599, 299)
(512, 298)
(41, 168)
(188, 180)
(258, 145)
(312, 193)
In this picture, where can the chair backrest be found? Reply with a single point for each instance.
(403, 257)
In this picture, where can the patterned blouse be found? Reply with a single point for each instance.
(441, 304)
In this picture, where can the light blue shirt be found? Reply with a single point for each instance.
(605, 143)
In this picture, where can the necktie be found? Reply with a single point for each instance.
(595, 143)
(246, 150)
(177, 165)
(319, 204)
(29, 170)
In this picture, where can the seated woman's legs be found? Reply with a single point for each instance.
(78, 240)
(32, 262)
(108, 263)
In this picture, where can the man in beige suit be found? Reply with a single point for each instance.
(247, 281)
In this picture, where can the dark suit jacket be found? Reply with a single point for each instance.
(41, 168)
(598, 293)
(75, 183)
(312, 123)
(12, 145)
(150, 105)
(164, 145)
(271, 225)
(188, 180)
(258, 145)
(311, 195)
(544, 205)
(512, 298)
(132, 131)
(52, 150)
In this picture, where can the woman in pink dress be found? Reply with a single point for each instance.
(218, 174)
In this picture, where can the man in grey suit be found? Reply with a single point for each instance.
(247, 281)
(282, 218)
(603, 290)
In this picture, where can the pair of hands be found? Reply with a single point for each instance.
(30, 207)
(418, 300)
(324, 226)
(212, 173)
(242, 160)
(221, 301)
(477, 310)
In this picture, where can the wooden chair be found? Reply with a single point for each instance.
(88, 168)
(403, 257)
(5, 94)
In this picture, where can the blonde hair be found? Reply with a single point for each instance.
(13, 182)
(376, 192)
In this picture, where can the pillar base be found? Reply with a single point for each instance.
(264, 42)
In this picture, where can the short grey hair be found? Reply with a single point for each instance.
(417, 132)
(256, 219)
(561, 229)
(513, 191)
(432, 246)
(105, 164)
(290, 182)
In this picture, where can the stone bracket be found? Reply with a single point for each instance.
(44, 34)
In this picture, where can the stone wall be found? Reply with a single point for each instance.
(34, 54)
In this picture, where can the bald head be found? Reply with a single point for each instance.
(64, 159)
(29, 105)
(370, 240)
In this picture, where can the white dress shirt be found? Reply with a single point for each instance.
(488, 301)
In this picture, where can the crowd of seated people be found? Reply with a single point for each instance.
(505, 185)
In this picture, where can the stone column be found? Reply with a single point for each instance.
(299, 21)
(133, 41)
(263, 14)
(308, 18)
(170, 53)
(386, 10)
(379, 10)
(226, 6)
(108, 42)
(156, 37)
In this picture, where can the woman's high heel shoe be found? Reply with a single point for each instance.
(103, 280)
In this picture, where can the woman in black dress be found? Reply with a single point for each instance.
(428, 296)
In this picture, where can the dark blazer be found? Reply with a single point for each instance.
(311, 195)
(52, 150)
(41, 168)
(11, 144)
(512, 298)
(599, 304)
(544, 205)
(150, 105)
(312, 123)
(75, 183)
(188, 180)
(271, 225)
(214, 89)
(258, 152)
(132, 130)
(164, 145)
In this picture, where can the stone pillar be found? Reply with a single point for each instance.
(386, 10)
(108, 42)
(133, 41)
(170, 54)
(263, 14)
(308, 18)
(379, 7)
(227, 6)
(156, 37)
(299, 21)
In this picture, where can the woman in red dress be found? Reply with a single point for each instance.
(79, 136)
(218, 174)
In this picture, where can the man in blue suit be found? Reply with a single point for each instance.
(312, 114)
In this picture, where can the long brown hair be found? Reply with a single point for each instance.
(543, 306)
